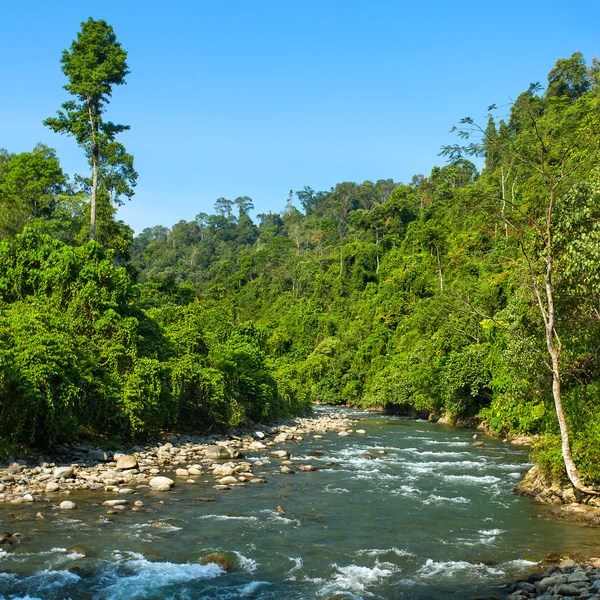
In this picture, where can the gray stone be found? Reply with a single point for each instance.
(66, 472)
(161, 484)
(52, 487)
(67, 505)
(280, 454)
(228, 480)
(98, 455)
(126, 461)
(118, 502)
(217, 452)
(564, 589)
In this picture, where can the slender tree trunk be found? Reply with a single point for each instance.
(548, 315)
(95, 165)
(93, 197)
(439, 266)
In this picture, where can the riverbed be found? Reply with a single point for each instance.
(409, 509)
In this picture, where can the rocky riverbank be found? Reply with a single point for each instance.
(563, 578)
(159, 466)
(564, 503)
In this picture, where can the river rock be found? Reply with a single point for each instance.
(259, 434)
(286, 470)
(126, 461)
(66, 472)
(194, 471)
(219, 559)
(98, 455)
(182, 473)
(257, 446)
(306, 468)
(112, 503)
(161, 484)
(228, 480)
(67, 505)
(52, 486)
(217, 452)
(284, 454)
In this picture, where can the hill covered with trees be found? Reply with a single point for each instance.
(466, 294)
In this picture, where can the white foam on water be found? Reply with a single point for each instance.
(472, 478)
(376, 552)
(145, 575)
(406, 490)
(246, 564)
(328, 488)
(298, 565)
(435, 499)
(451, 568)
(356, 579)
(227, 518)
(452, 443)
(280, 518)
(492, 532)
(252, 587)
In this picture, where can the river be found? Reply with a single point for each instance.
(426, 516)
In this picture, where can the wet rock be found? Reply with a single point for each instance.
(126, 461)
(284, 454)
(202, 499)
(113, 503)
(286, 470)
(161, 484)
(182, 473)
(306, 468)
(67, 505)
(218, 558)
(229, 480)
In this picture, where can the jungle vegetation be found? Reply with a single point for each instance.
(468, 293)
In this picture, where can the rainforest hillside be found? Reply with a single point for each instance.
(469, 293)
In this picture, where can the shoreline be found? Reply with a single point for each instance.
(45, 479)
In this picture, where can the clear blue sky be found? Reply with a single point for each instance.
(256, 98)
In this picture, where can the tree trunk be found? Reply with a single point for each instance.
(93, 197)
(549, 321)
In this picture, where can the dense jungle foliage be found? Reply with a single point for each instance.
(421, 296)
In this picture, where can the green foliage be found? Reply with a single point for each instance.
(414, 296)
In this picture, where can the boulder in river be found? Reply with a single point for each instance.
(161, 484)
(218, 558)
(67, 505)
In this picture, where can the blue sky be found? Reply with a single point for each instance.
(256, 98)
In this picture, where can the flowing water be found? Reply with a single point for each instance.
(433, 517)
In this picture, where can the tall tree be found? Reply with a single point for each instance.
(553, 145)
(94, 64)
